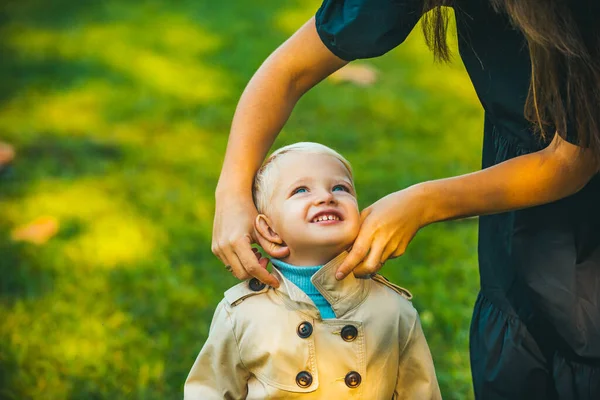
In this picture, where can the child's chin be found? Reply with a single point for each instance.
(335, 244)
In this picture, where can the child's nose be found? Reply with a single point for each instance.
(325, 197)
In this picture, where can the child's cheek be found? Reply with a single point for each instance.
(355, 226)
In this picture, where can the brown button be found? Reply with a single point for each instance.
(304, 330)
(352, 379)
(256, 285)
(349, 333)
(304, 379)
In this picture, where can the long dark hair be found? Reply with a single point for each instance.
(564, 47)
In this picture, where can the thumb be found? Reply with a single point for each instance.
(365, 213)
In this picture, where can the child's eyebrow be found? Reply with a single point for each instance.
(345, 181)
(297, 182)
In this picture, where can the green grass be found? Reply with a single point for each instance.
(119, 112)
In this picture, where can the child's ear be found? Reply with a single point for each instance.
(268, 239)
(262, 224)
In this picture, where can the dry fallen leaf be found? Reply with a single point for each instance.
(360, 74)
(7, 153)
(38, 231)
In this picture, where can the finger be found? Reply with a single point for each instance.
(231, 262)
(388, 252)
(372, 263)
(357, 254)
(401, 247)
(244, 252)
(237, 268)
(364, 214)
(263, 261)
(233, 265)
(216, 250)
(399, 251)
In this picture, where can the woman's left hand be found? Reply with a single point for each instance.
(387, 227)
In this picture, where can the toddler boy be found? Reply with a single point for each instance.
(313, 337)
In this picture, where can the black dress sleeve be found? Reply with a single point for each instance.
(354, 29)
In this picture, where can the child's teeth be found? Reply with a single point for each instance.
(326, 218)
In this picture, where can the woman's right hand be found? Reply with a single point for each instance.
(233, 235)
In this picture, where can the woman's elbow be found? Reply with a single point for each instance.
(577, 165)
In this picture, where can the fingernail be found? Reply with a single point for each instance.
(339, 276)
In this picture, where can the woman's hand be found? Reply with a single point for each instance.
(387, 228)
(233, 235)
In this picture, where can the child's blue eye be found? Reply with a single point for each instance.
(299, 190)
(340, 187)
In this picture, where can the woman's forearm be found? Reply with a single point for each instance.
(526, 181)
(263, 109)
(267, 102)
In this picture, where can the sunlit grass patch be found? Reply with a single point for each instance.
(54, 345)
(181, 143)
(110, 233)
(77, 111)
(154, 60)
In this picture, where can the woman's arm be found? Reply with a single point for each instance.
(553, 173)
(558, 171)
(267, 102)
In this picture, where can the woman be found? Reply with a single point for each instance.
(535, 65)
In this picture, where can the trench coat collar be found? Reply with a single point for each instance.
(343, 295)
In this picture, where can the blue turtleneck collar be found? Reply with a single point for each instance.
(300, 276)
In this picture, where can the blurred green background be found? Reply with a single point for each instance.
(119, 113)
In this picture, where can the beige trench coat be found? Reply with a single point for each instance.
(267, 343)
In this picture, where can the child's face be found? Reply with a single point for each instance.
(314, 207)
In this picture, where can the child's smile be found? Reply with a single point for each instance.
(327, 217)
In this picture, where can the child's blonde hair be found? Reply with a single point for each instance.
(262, 189)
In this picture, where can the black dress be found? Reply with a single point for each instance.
(535, 332)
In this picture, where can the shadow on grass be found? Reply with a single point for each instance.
(58, 157)
(18, 71)
(26, 273)
(71, 156)
(22, 73)
(23, 276)
(11, 383)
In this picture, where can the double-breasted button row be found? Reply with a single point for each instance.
(304, 378)
(352, 379)
(349, 332)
